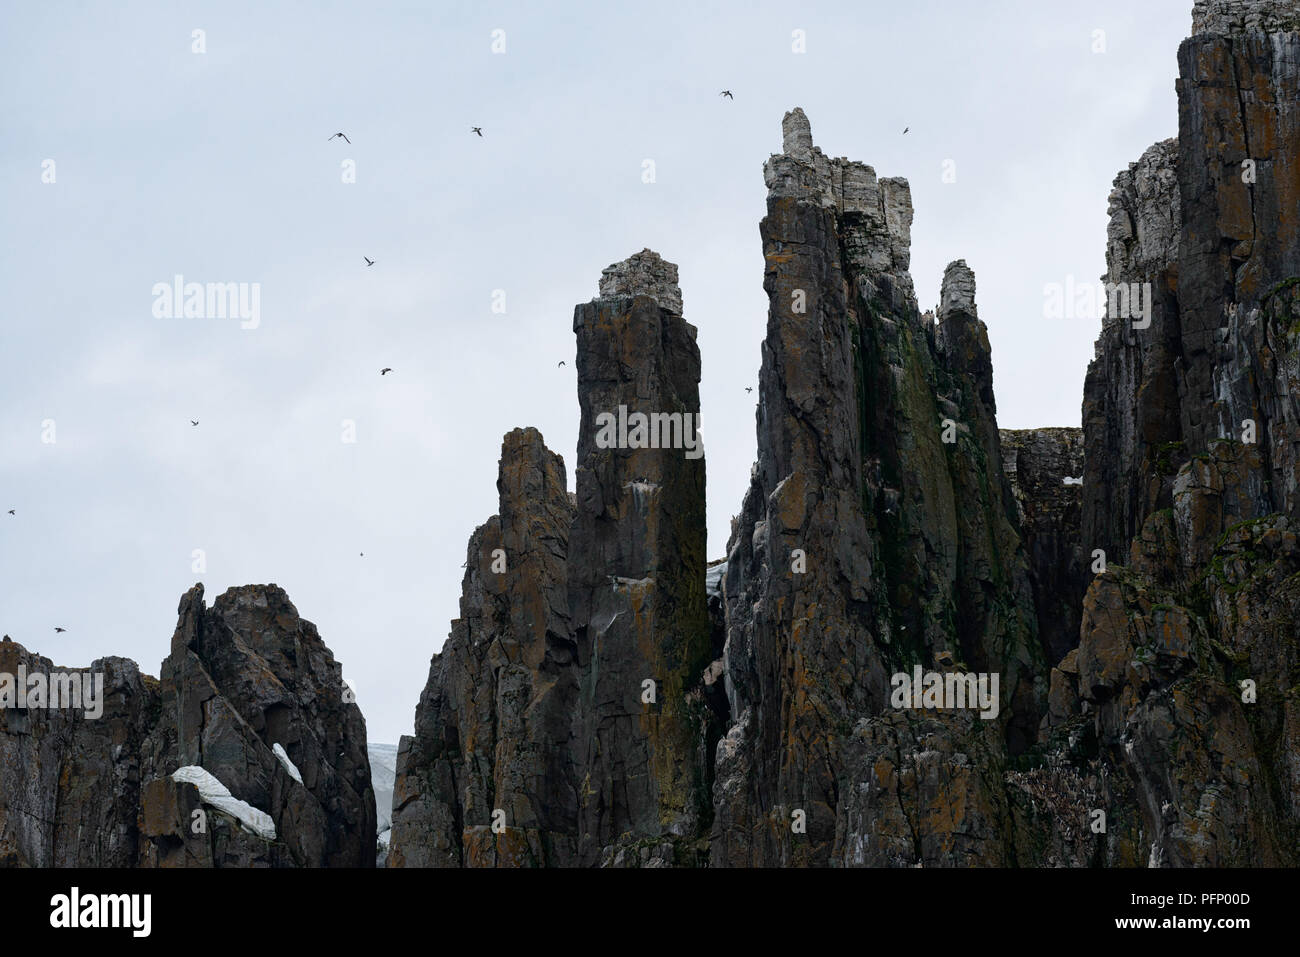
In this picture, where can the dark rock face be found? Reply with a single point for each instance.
(878, 533)
(69, 783)
(1207, 220)
(607, 699)
(1191, 438)
(1045, 468)
(242, 677)
(889, 526)
(636, 568)
(1240, 237)
(492, 730)
(1131, 423)
(570, 694)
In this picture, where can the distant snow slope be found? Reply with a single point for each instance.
(383, 772)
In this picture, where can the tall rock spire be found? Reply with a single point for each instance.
(1192, 464)
(564, 720)
(876, 526)
(636, 562)
(487, 779)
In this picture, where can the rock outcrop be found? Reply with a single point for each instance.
(70, 781)
(569, 700)
(1132, 583)
(251, 695)
(636, 566)
(878, 534)
(1108, 617)
(492, 731)
(1188, 650)
(1131, 426)
(244, 676)
(1045, 468)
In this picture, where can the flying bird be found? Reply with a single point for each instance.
(476, 129)
(194, 421)
(561, 363)
(385, 371)
(905, 129)
(11, 511)
(60, 629)
(345, 138)
(369, 261)
(727, 94)
(749, 388)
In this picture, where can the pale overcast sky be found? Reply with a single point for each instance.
(216, 166)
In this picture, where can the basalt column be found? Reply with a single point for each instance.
(878, 535)
(636, 568)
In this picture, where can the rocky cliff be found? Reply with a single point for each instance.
(493, 727)
(881, 532)
(249, 694)
(70, 785)
(878, 534)
(565, 721)
(930, 642)
(1045, 468)
(1131, 584)
(1188, 650)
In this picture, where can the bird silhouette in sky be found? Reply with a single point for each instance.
(476, 129)
(905, 129)
(727, 94)
(749, 388)
(345, 138)
(60, 629)
(11, 511)
(385, 370)
(561, 363)
(194, 421)
(369, 261)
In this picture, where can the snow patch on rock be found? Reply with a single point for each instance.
(218, 795)
(284, 760)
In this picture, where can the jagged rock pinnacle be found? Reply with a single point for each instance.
(1229, 17)
(958, 290)
(796, 135)
(643, 274)
(884, 206)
